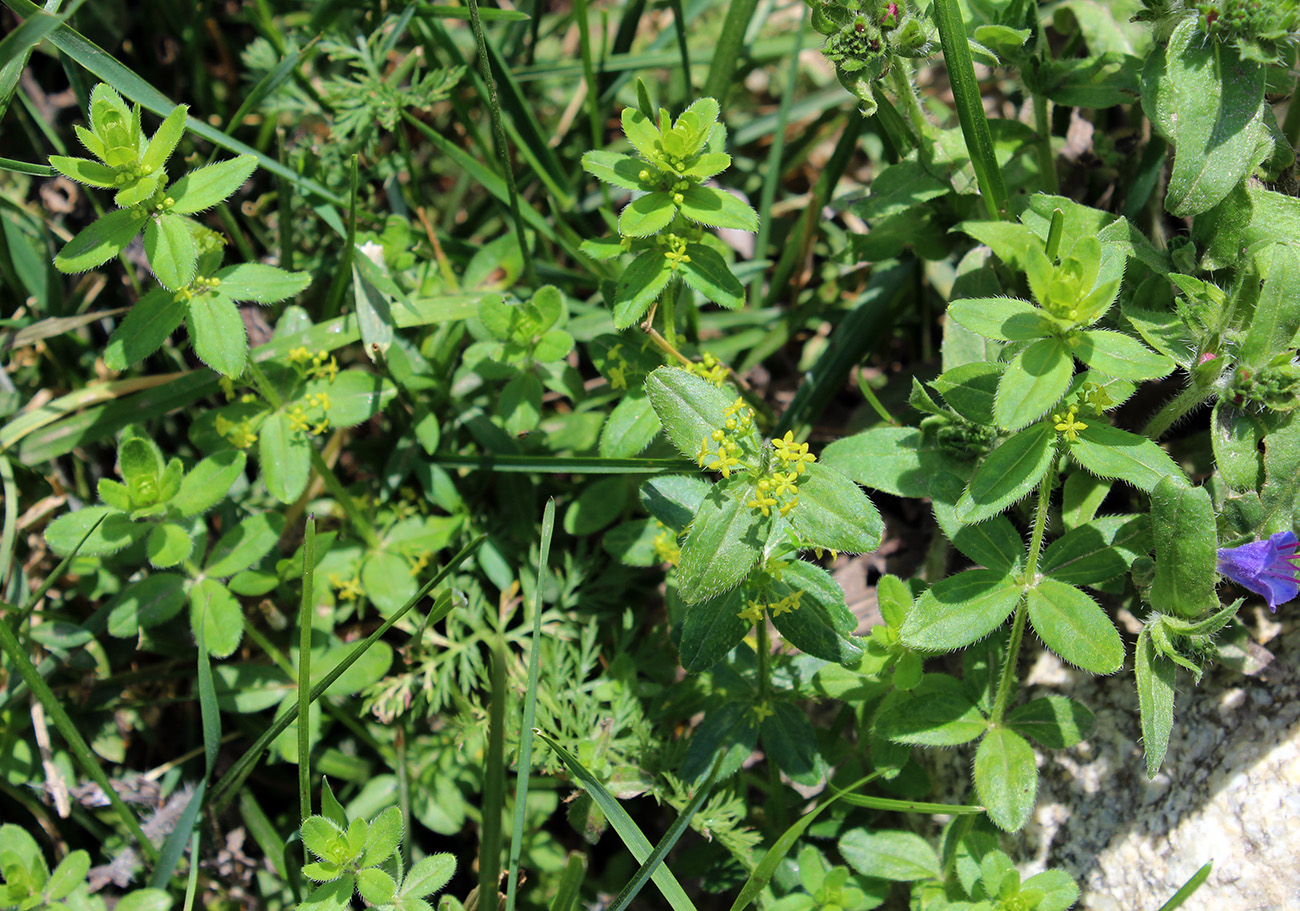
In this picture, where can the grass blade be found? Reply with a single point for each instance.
(627, 830)
(525, 764)
(304, 669)
(651, 863)
(1189, 887)
(970, 108)
(762, 874)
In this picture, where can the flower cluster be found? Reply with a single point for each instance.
(726, 458)
(666, 548)
(753, 610)
(239, 434)
(320, 365)
(780, 489)
(711, 369)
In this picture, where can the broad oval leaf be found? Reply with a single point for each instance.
(938, 711)
(217, 333)
(898, 856)
(1033, 383)
(106, 237)
(153, 600)
(1075, 627)
(149, 323)
(834, 513)
(639, 286)
(712, 628)
(724, 542)
(172, 252)
(1109, 452)
(958, 610)
(1006, 778)
(718, 209)
(285, 457)
(261, 283)
(216, 609)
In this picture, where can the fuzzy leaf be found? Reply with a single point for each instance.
(83, 170)
(1156, 677)
(173, 254)
(1006, 778)
(958, 610)
(105, 238)
(261, 284)
(1003, 318)
(1033, 383)
(723, 544)
(1009, 473)
(165, 140)
(712, 628)
(646, 215)
(717, 209)
(1109, 452)
(208, 482)
(639, 286)
(1071, 624)
(204, 187)
(217, 333)
(834, 513)
(149, 323)
(709, 274)
(213, 606)
(620, 170)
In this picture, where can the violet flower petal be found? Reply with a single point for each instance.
(1268, 568)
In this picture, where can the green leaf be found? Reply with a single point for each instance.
(1003, 318)
(812, 628)
(387, 581)
(898, 856)
(164, 140)
(1057, 722)
(882, 458)
(709, 274)
(834, 513)
(599, 504)
(674, 499)
(354, 396)
(69, 874)
(1059, 890)
(938, 711)
(708, 165)
(970, 390)
(168, 544)
(724, 542)
(1009, 473)
(428, 875)
(520, 403)
(385, 835)
(173, 254)
(1237, 437)
(1109, 452)
(630, 427)
(1209, 103)
(1006, 778)
(217, 333)
(204, 187)
(149, 323)
(994, 544)
(83, 170)
(216, 609)
(712, 628)
(690, 408)
(1072, 625)
(1092, 553)
(153, 600)
(244, 544)
(613, 168)
(373, 293)
(1183, 526)
(647, 215)
(285, 456)
(717, 209)
(114, 533)
(1120, 355)
(261, 283)
(1156, 678)
(105, 238)
(208, 482)
(641, 131)
(790, 741)
(639, 286)
(1277, 312)
(1033, 383)
(958, 610)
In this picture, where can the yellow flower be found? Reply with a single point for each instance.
(1068, 424)
(788, 604)
(762, 711)
(752, 613)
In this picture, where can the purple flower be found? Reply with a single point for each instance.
(1267, 568)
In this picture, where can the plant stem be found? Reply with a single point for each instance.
(1177, 407)
(1022, 609)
